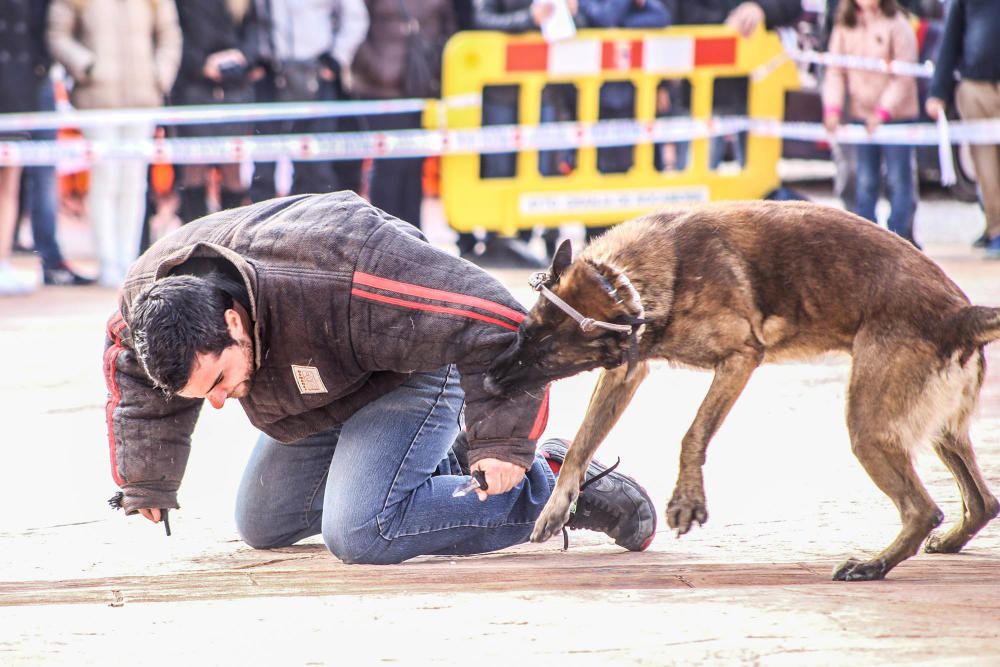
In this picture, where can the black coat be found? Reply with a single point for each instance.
(508, 16)
(338, 286)
(970, 45)
(24, 60)
(208, 27)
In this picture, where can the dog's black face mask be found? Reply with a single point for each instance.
(551, 345)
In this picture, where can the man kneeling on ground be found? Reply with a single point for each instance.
(352, 344)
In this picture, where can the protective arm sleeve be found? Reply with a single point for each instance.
(149, 435)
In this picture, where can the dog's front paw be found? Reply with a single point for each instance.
(684, 509)
(853, 569)
(554, 515)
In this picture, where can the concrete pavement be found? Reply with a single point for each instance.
(82, 585)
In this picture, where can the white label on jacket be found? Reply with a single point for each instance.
(308, 379)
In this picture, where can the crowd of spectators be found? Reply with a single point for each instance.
(146, 53)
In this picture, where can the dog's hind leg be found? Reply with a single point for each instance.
(687, 504)
(887, 414)
(611, 396)
(979, 506)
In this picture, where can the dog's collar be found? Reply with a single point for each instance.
(537, 282)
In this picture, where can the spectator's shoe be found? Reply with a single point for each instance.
(982, 241)
(64, 276)
(993, 249)
(609, 502)
(15, 283)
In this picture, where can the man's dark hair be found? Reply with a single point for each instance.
(176, 317)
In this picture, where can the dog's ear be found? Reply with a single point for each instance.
(561, 260)
(620, 289)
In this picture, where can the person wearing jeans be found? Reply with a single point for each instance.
(41, 199)
(899, 179)
(875, 29)
(970, 47)
(391, 507)
(359, 351)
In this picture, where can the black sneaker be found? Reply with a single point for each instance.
(62, 275)
(609, 502)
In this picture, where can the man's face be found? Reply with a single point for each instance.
(226, 375)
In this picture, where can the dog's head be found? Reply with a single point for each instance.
(551, 344)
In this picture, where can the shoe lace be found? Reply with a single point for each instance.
(601, 516)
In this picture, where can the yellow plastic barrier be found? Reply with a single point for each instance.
(697, 54)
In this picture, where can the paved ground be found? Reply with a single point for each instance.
(80, 584)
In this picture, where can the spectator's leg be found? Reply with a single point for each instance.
(233, 194)
(981, 100)
(40, 184)
(899, 178)
(499, 108)
(131, 201)
(868, 180)
(348, 172)
(262, 185)
(102, 197)
(41, 192)
(316, 175)
(193, 192)
(845, 160)
(397, 183)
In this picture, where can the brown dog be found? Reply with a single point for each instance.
(730, 286)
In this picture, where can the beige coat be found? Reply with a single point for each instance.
(879, 37)
(120, 53)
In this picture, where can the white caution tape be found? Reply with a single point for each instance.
(947, 163)
(219, 113)
(492, 139)
(902, 67)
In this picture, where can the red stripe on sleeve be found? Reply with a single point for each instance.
(410, 289)
(432, 308)
(115, 326)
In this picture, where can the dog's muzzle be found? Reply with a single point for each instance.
(587, 324)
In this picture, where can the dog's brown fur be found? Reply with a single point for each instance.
(729, 286)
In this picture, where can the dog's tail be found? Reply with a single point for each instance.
(977, 325)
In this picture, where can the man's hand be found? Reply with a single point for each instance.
(501, 476)
(934, 106)
(873, 122)
(831, 121)
(213, 63)
(151, 513)
(745, 18)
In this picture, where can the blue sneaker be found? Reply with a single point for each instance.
(993, 249)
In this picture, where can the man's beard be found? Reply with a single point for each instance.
(242, 390)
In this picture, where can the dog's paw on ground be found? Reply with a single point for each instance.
(853, 569)
(682, 511)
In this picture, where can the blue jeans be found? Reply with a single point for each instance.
(899, 176)
(40, 190)
(378, 488)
